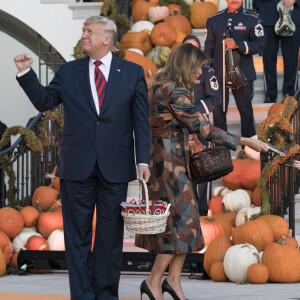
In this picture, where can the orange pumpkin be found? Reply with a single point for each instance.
(37, 243)
(283, 262)
(256, 233)
(217, 272)
(30, 215)
(14, 260)
(212, 228)
(48, 222)
(140, 10)
(228, 216)
(175, 45)
(257, 273)
(256, 197)
(2, 264)
(233, 180)
(179, 22)
(6, 246)
(251, 171)
(180, 36)
(215, 204)
(139, 40)
(163, 34)
(200, 12)
(278, 225)
(11, 221)
(174, 9)
(276, 108)
(44, 197)
(289, 240)
(215, 251)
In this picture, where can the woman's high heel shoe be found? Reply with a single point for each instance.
(145, 290)
(166, 287)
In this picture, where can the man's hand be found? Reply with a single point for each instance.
(23, 61)
(144, 173)
(288, 3)
(230, 44)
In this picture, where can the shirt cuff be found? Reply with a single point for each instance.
(142, 164)
(23, 72)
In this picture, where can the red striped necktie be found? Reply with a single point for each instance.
(100, 82)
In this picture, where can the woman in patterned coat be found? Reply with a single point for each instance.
(172, 110)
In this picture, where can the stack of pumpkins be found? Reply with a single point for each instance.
(159, 27)
(35, 227)
(240, 250)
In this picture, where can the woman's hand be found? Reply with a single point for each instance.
(296, 164)
(254, 144)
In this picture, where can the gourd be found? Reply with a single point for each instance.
(257, 273)
(236, 200)
(19, 242)
(11, 221)
(30, 215)
(159, 55)
(56, 240)
(246, 211)
(158, 13)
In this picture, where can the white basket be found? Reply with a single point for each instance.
(146, 224)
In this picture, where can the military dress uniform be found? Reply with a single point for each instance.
(170, 180)
(248, 34)
(207, 99)
(289, 48)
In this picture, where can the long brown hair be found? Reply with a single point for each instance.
(180, 65)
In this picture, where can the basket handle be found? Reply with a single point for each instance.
(143, 184)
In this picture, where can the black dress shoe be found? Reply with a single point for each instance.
(166, 287)
(145, 290)
(270, 100)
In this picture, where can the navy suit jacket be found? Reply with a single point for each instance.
(87, 136)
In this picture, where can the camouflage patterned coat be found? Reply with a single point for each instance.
(169, 177)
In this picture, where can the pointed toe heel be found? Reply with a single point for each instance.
(144, 289)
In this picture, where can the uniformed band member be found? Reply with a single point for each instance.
(207, 99)
(289, 48)
(247, 39)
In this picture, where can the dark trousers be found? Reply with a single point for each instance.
(243, 99)
(289, 49)
(93, 275)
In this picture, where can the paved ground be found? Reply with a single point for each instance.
(57, 283)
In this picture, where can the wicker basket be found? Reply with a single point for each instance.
(146, 224)
(210, 164)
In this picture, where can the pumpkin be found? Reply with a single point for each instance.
(246, 211)
(6, 246)
(143, 61)
(249, 192)
(175, 45)
(211, 228)
(216, 2)
(14, 260)
(283, 262)
(200, 12)
(48, 222)
(276, 108)
(215, 251)
(237, 259)
(19, 242)
(233, 180)
(136, 51)
(227, 216)
(163, 34)
(256, 232)
(158, 13)
(179, 22)
(11, 221)
(139, 40)
(37, 243)
(44, 197)
(236, 200)
(140, 10)
(257, 273)
(159, 55)
(56, 240)
(142, 25)
(174, 9)
(220, 191)
(30, 215)
(251, 171)
(180, 36)
(278, 225)
(290, 240)
(217, 272)
(2, 264)
(215, 204)
(256, 198)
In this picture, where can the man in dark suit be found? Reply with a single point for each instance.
(289, 48)
(105, 100)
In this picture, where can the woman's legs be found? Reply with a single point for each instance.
(174, 274)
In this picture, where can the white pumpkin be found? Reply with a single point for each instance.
(252, 154)
(141, 25)
(246, 211)
(236, 200)
(56, 240)
(221, 191)
(32, 228)
(19, 241)
(137, 51)
(260, 255)
(237, 259)
(158, 13)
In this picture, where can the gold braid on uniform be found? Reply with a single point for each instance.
(33, 142)
(279, 126)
